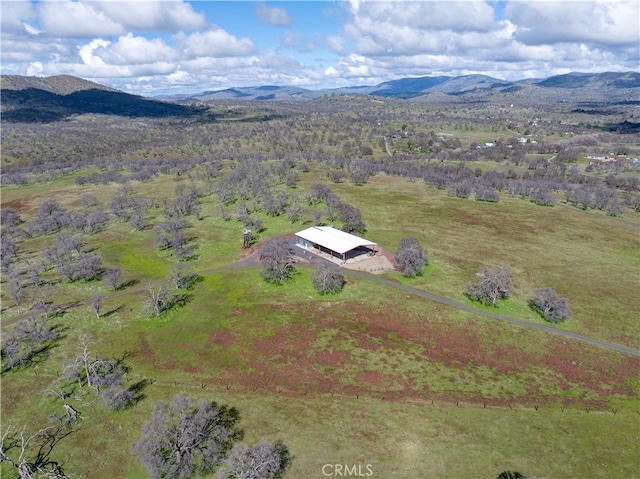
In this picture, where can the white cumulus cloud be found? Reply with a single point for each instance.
(159, 15)
(605, 22)
(273, 15)
(215, 42)
(14, 14)
(76, 19)
(135, 50)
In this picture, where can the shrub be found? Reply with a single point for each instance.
(552, 307)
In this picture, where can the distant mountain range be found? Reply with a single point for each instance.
(573, 87)
(52, 98)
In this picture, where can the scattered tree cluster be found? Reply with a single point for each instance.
(171, 235)
(185, 438)
(27, 340)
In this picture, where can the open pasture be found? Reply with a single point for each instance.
(374, 375)
(370, 377)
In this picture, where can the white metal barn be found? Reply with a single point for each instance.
(338, 244)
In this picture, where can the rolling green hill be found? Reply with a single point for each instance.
(34, 99)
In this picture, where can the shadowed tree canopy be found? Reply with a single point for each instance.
(40, 106)
(510, 475)
(550, 305)
(277, 261)
(184, 438)
(327, 279)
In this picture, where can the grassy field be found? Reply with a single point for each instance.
(401, 384)
(371, 376)
(590, 258)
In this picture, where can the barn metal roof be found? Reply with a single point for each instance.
(333, 239)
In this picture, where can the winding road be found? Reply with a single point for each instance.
(499, 317)
(251, 261)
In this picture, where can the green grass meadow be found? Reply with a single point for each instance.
(399, 385)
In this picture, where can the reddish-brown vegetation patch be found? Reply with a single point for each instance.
(331, 358)
(18, 205)
(287, 360)
(220, 338)
(604, 372)
(144, 348)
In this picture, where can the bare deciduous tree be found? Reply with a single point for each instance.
(29, 338)
(8, 217)
(262, 461)
(87, 266)
(352, 218)
(411, 257)
(359, 177)
(184, 438)
(30, 455)
(14, 286)
(8, 250)
(550, 305)
(327, 279)
(277, 261)
(96, 304)
(105, 376)
(182, 276)
(158, 299)
(491, 285)
(112, 277)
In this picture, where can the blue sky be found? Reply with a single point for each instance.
(154, 47)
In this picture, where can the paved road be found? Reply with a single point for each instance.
(251, 261)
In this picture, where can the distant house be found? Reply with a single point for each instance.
(333, 243)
